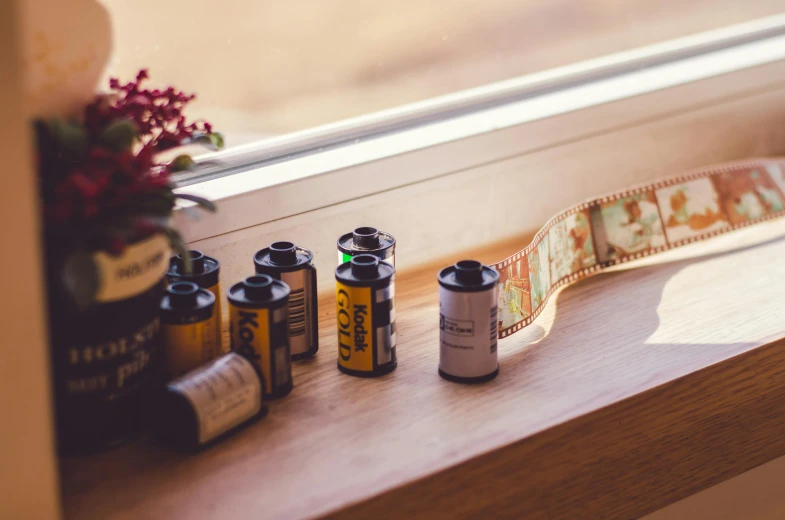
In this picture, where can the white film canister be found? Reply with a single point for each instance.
(467, 322)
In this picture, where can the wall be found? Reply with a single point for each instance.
(64, 48)
(27, 471)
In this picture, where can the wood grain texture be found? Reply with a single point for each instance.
(632, 390)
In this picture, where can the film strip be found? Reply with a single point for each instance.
(632, 224)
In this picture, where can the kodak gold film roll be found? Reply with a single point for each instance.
(365, 300)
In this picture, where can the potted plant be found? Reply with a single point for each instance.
(107, 196)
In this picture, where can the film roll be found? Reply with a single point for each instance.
(188, 328)
(259, 326)
(293, 266)
(366, 240)
(205, 272)
(467, 322)
(365, 300)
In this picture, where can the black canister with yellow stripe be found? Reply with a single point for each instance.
(365, 292)
(205, 272)
(258, 325)
(187, 327)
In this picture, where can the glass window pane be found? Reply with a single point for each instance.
(263, 68)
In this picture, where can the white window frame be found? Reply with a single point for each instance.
(310, 171)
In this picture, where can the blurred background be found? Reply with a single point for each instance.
(263, 68)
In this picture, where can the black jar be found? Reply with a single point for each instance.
(106, 359)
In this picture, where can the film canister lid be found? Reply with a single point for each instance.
(365, 238)
(363, 269)
(468, 276)
(186, 299)
(204, 269)
(258, 291)
(281, 256)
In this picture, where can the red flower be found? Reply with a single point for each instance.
(106, 183)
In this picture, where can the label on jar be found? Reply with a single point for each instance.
(224, 394)
(111, 368)
(468, 332)
(141, 266)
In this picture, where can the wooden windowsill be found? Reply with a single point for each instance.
(632, 390)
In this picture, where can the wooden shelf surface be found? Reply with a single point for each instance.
(632, 390)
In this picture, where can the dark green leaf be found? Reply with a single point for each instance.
(81, 278)
(217, 139)
(168, 195)
(181, 162)
(203, 203)
(119, 136)
(70, 138)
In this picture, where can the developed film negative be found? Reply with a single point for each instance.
(634, 223)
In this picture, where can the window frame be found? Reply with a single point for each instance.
(325, 166)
